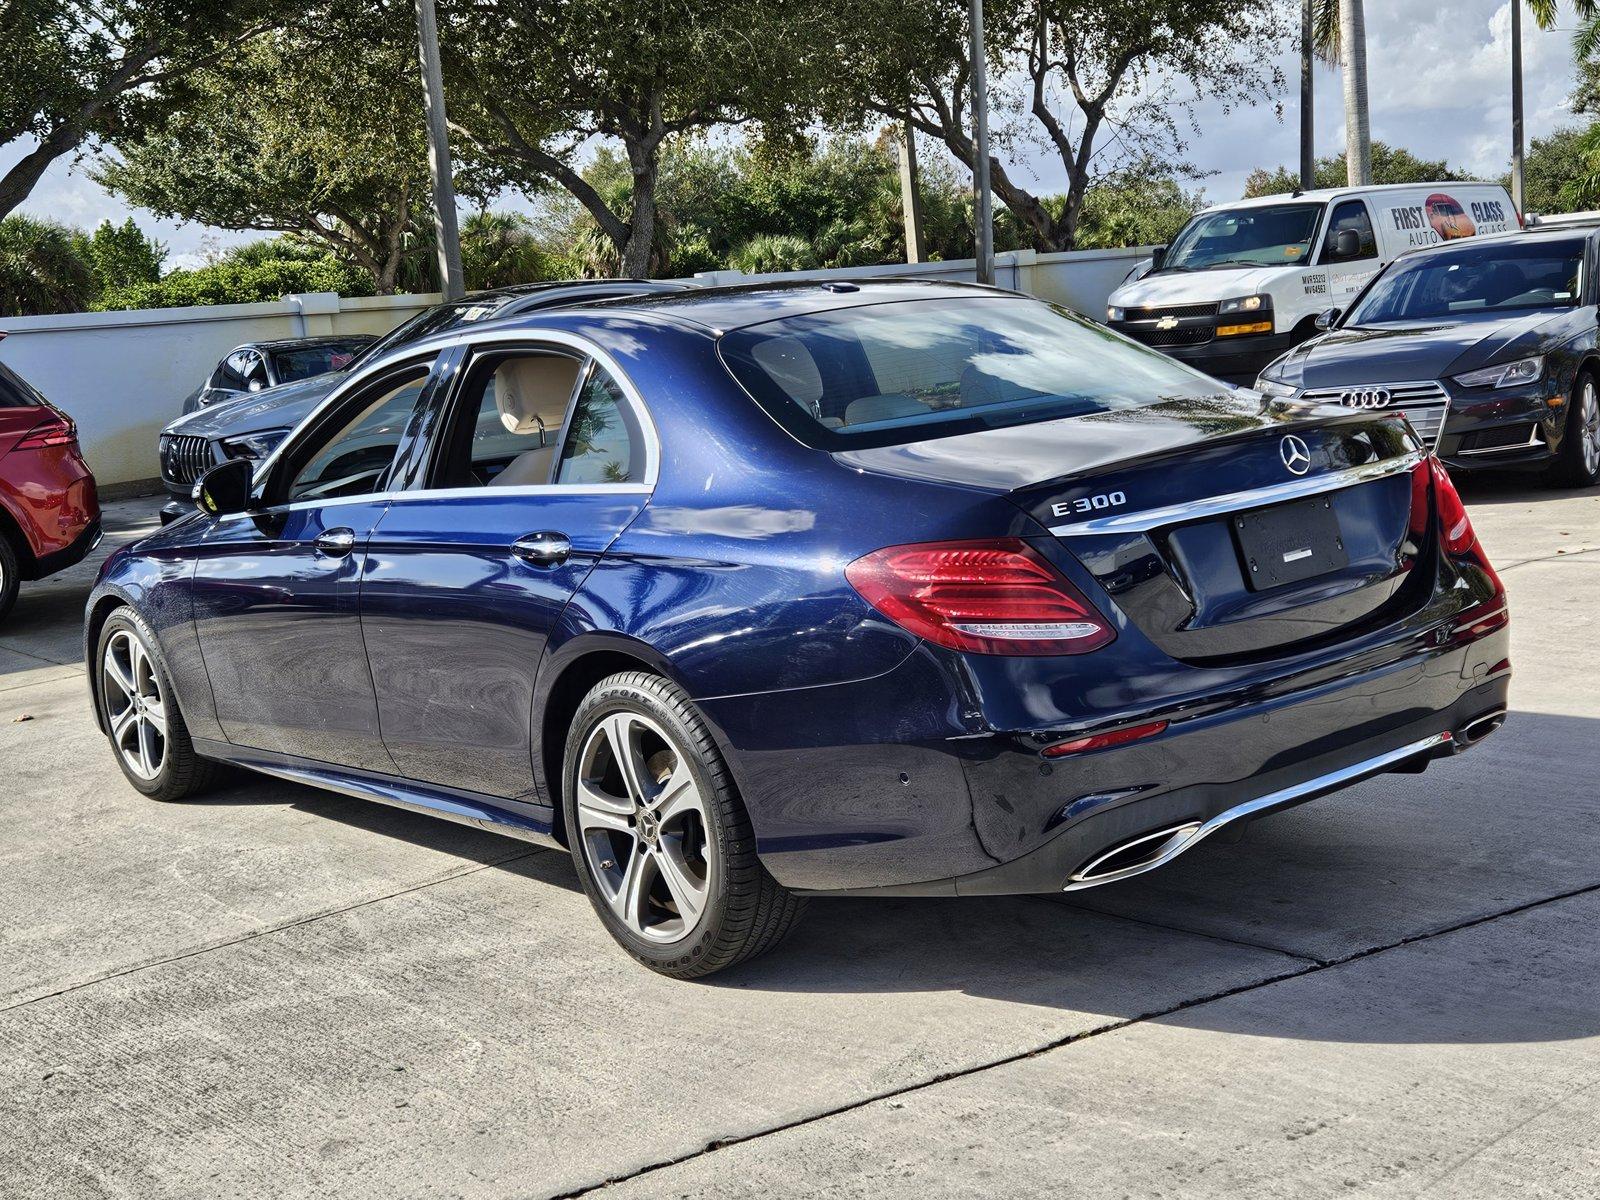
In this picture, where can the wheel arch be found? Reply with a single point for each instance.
(100, 610)
(11, 530)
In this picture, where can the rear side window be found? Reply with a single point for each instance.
(911, 370)
(604, 443)
(17, 392)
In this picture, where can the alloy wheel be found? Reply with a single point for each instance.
(136, 707)
(1589, 426)
(643, 827)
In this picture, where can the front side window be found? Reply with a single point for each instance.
(910, 370)
(1488, 277)
(355, 460)
(1350, 218)
(1266, 235)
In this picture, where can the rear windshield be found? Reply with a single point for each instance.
(290, 365)
(888, 374)
(1268, 235)
(1487, 277)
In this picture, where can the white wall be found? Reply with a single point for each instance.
(123, 375)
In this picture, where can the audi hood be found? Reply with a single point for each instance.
(1396, 352)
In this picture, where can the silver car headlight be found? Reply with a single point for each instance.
(1274, 387)
(1507, 374)
(253, 445)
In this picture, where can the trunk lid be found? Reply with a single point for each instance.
(1230, 534)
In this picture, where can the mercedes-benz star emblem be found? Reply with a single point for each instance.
(1365, 398)
(1295, 453)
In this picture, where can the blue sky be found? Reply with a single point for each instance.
(1440, 86)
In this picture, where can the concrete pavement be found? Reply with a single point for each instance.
(275, 990)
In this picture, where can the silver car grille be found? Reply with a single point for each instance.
(184, 458)
(1425, 403)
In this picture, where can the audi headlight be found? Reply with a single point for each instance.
(1244, 304)
(1507, 374)
(1274, 387)
(253, 445)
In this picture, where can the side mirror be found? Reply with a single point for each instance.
(256, 385)
(1346, 243)
(1326, 319)
(225, 488)
(1158, 258)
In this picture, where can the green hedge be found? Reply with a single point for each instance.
(231, 282)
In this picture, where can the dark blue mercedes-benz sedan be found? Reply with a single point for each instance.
(752, 594)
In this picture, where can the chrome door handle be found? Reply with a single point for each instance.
(336, 543)
(542, 549)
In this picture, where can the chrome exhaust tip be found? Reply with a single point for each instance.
(1475, 730)
(1135, 856)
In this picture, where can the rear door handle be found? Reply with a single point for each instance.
(336, 543)
(543, 549)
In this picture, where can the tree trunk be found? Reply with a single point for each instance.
(636, 250)
(1357, 125)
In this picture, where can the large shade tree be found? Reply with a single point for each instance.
(315, 129)
(1102, 84)
(532, 85)
(75, 72)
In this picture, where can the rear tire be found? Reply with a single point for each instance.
(1577, 463)
(663, 845)
(139, 711)
(10, 575)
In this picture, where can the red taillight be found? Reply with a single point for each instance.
(56, 429)
(998, 597)
(1455, 527)
(1100, 741)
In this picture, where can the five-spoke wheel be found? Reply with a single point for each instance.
(135, 705)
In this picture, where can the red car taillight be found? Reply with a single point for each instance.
(991, 597)
(1455, 527)
(56, 429)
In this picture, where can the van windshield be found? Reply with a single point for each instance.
(1268, 235)
(911, 370)
(1487, 277)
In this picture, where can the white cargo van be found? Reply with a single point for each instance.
(1243, 282)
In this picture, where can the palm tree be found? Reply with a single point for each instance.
(1544, 16)
(41, 269)
(1340, 37)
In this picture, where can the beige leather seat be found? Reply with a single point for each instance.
(531, 393)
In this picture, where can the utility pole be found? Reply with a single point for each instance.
(984, 216)
(444, 188)
(1516, 106)
(1308, 151)
(910, 197)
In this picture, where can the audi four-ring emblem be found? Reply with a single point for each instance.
(1365, 398)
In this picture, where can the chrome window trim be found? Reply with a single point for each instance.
(1214, 506)
(511, 339)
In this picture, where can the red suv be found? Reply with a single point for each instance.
(49, 510)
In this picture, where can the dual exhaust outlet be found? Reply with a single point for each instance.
(1148, 851)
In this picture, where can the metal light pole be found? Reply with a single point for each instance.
(1308, 153)
(1516, 105)
(984, 217)
(444, 188)
(910, 195)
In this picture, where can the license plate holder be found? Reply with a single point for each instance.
(1289, 543)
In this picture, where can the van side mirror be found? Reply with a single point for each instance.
(1326, 319)
(1346, 243)
(225, 488)
(1158, 258)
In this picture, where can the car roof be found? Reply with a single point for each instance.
(1319, 195)
(274, 345)
(721, 309)
(1511, 237)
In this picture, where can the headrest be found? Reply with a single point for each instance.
(867, 409)
(531, 391)
(792, 368)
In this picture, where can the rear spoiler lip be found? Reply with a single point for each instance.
(1213, 506)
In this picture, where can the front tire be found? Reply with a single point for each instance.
(1578, 461)
(663, 845)
(139, 712)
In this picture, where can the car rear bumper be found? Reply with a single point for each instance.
(985, 813)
